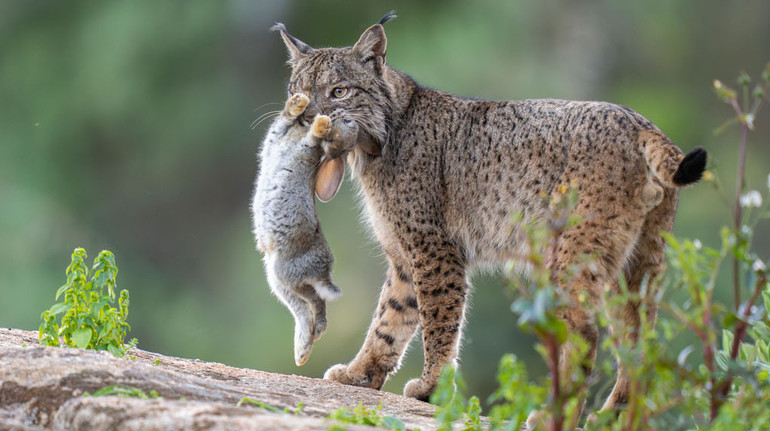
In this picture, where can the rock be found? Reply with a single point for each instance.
(43, 387)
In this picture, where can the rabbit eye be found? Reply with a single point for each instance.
(339, 92)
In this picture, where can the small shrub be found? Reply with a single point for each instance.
(363, 415)
(89, 321)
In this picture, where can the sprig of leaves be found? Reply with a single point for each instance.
(363, 415)
(89, 321)
(124, 391)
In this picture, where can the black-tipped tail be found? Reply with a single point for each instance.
(691, 168)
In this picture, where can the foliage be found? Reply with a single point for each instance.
(725, 386)
(89, 320)
(123, 391)
(268, 407)
(363, 415)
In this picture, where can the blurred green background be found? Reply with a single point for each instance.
(126, 125)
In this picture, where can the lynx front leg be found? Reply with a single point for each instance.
(439, 279)
(393, 326)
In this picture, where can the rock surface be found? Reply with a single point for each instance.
(42, 388)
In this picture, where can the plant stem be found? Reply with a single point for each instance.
(738, 211)
(720, 391)
(557, 423)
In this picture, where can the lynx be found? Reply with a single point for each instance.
(298, 260)
(441, 177)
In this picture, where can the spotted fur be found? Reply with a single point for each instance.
(447, 174)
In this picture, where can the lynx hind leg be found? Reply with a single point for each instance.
(647, 263)
(607, 237)
(321, 127)
(296, 105)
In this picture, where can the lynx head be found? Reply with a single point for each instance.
(349, 79)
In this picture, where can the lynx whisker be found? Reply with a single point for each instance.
(263, 117)
(266, 104)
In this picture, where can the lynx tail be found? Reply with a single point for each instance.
(667, 161)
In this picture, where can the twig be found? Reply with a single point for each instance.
(738, 211)
(552, 345)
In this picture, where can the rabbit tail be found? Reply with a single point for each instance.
(327, 290)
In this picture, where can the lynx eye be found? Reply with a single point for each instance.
(339, 92)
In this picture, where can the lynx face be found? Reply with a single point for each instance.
(348, 79)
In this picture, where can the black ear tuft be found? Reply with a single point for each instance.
(691, 167)
(278, 27)
(296, 47)
(388, 16)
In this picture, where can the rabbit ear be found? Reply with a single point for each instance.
(329, 178)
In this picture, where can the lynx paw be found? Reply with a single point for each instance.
(420, 389)
(296, 104)
(536, 420)
(321, 127)
(339, 373)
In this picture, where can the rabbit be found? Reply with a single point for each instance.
(297, 259)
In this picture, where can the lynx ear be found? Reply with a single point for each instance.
(372, 44)
(296, 47)
(329, 178)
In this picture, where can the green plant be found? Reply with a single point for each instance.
(452, 405)
(123, 391)
(89, 321)
(264, 406)
(363, 415)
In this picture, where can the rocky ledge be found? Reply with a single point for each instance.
(42, 388)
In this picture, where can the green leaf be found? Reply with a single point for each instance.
(393, 423)
(729, 319)
(259, 404)
(727, 340)
(122, 391)
(116, 352)
(722, 360)
(61, 290)
(766, 298)
(82, 337)
(59, 308)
